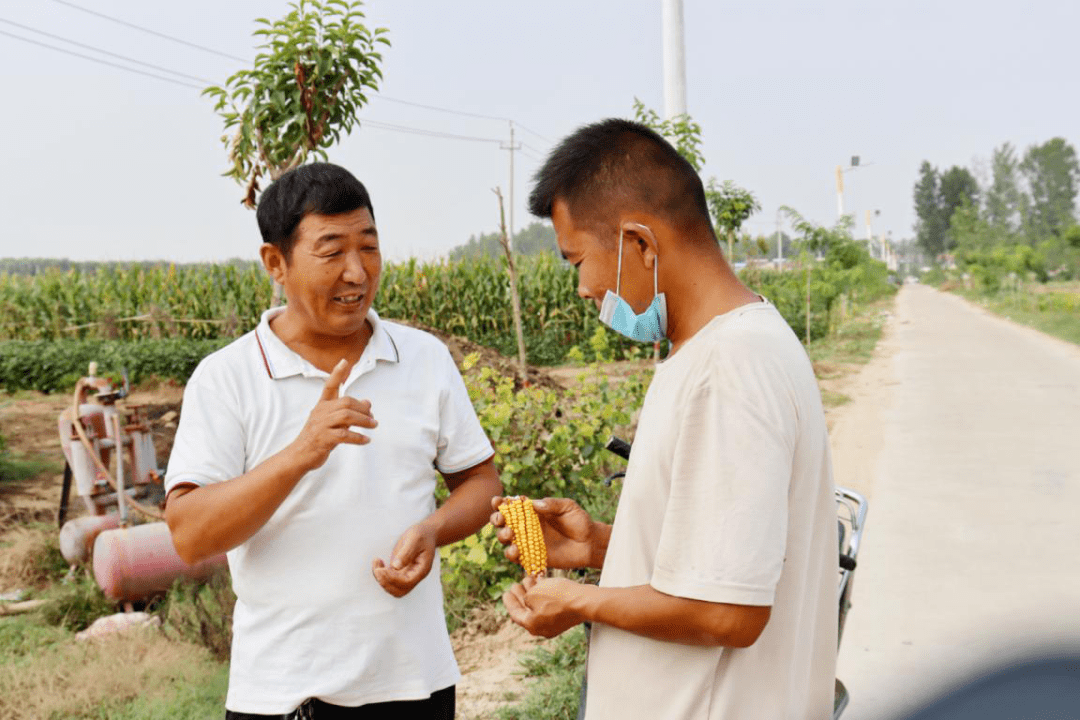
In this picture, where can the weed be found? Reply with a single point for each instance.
(135, 676)
(559, 668)
(201, 613)
(31, 557)
(76, 604)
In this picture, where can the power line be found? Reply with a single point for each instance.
(104, 52)
(423, 131)
(172, 38)
(538, 152)
(534, 133)
(372, 123)
(442, 109)
(99, 60)
(531, 156)
(110, 18)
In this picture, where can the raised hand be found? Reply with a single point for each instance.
(573, 540)
(331, 421)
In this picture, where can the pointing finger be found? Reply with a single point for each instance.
(332, 389)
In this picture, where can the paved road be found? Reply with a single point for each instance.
(972, 550)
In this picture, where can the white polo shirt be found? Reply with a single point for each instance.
(310, 620)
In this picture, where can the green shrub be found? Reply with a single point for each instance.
(548, 443)
(56, 365)
(201, 613)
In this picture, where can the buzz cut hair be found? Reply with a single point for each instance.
(613, 166)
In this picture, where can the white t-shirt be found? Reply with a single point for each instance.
(728, 498)
(310, 620)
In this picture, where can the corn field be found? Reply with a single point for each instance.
(131, 302)
(469, 298)
(210, 302)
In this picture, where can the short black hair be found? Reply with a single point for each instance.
(319, 188)
(614, 165)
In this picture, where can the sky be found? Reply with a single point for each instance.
(101, 163)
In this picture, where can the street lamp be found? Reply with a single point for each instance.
(840, 170)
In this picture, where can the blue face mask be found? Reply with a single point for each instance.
(648, 327)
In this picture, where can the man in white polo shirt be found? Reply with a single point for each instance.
(309, 450)
(717, 596)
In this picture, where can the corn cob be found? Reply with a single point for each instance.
(521, 517)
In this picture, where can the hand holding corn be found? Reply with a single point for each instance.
(571, 538)
(521, 518)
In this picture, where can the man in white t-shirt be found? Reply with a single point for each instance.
(717, 597)
(309, 450)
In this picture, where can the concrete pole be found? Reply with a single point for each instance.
(839, 191)
(779, 242)
(674, 59)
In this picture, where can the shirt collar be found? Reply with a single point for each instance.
(281, 361)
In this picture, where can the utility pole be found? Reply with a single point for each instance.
(511, 147)
(674, 59)
(839, 191)
(779, 243)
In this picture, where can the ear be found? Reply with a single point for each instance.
(274, 261)
(642, 238)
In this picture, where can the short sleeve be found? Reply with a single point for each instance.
(461, 443)
(724, 530)
(210, 441)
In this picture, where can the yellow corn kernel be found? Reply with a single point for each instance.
(521, 517)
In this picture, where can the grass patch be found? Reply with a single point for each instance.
(136, 676)
(201, 614)
(1026, 309)
(17, 468)
(831, 398)
(558, 668)
(74, 605)
(853, 340)
(30, 557)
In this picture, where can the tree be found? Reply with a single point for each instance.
(937, 197)
(681, 131)
(1004, 199)
(929, 226)
(1053, 176)
(730, 206)
(958, 188)
(816, 240)
(536, 238)
(304, 91)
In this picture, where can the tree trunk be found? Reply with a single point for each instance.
(808, 261)
(515, 299)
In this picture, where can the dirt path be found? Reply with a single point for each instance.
(965, 433)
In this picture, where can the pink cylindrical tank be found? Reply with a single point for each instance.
(136, 563)
(77, 536)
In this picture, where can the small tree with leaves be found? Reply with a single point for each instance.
(815, 241)
(681, 131)
(730, 206)
(306, 87)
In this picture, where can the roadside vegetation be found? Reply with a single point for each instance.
(1010, 242)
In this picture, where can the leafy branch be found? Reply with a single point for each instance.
(304, 91)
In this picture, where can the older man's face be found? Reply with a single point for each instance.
(333, 273)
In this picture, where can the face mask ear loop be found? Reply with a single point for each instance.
(655, 285)
(618, 273)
